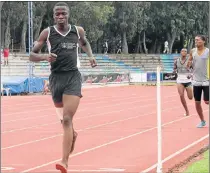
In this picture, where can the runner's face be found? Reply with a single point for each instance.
(184, 53)
(61, 15)
(199, 42)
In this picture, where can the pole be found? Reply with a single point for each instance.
(209, 45)
(209, 26)
(30, 41)
(159, 125)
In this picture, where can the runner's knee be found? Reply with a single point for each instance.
(181, 95)
(67, 117)
(67, 120)
(190, 97)
(197, 103)
(207, 102)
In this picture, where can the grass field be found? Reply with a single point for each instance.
(201, 166)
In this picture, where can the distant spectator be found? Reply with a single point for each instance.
(119, 47)
(6, 56)
(2, 55)
(166, 49)
(105, 47)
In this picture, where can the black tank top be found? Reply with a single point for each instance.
(65, 47)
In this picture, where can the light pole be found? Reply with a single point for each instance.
(1, 3)
(30, 42)
(209, 26)
(209, 45)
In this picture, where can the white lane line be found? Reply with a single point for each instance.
(103, 145)
(88, 128)
(175, 154)
(106, 144)
(146, 105)
(113, 105)
(51, 107)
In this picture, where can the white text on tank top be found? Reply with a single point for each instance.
(200, 65)
(182, 71)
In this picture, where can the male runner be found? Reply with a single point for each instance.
(65, 79)
(183, 79)
(199, 60)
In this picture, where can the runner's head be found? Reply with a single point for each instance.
(184, 52)
(61, 13)
(200, 41)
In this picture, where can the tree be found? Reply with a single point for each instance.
(142, 27)
(39, 13)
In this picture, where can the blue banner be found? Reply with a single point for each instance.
(152, 76)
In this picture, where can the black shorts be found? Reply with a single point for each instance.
(186, 84)
(197, 91)
(69, 83)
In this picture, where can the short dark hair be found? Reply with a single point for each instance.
(62, 4)
(202, 37)
(184, 49)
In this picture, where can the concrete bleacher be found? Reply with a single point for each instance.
(147, 63)
(103, 65)
(19, 65)
(16, 74)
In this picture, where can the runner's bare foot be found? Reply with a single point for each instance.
(61, 167)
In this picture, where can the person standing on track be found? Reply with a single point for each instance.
(65, 80)
(199, 57)
(183, 79)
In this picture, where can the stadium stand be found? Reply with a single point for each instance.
(16, 75)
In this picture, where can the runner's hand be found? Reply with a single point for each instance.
(189, 76)
(174, 72)
(51, 57)
(93, 62)
(189, 64)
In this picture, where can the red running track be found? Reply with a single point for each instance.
(116, 127)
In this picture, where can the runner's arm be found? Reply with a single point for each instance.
(34, 54)
(175, 67)
(190, 61)
(84, 43)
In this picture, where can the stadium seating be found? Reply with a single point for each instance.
(19, 64)
(147, 63)
(132, 68)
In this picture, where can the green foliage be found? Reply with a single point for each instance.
(92, 16)
(118, 20)
(200, 166)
